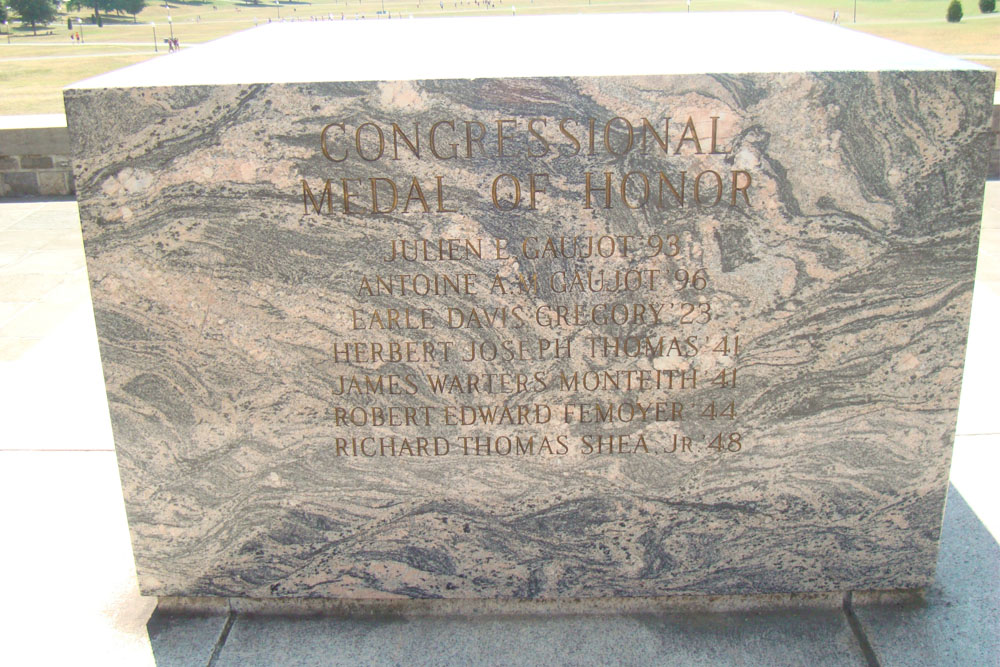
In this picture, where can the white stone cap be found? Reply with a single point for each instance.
(526, 46)
(32, 121)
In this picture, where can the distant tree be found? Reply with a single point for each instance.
(97, 6)
(3, 12)
(954, 11)
(133, 7)
(34, 12)
(987, 6)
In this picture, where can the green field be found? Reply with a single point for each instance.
(34, 68)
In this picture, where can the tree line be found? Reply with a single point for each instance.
(42, 12)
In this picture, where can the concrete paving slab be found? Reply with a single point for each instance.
(58, 216)
(184, 640)
(75, 290)
(988, 267)
(9, 257)
(15, 210)
(976, 412)
(36, 320)
(60, 240)
(813, 637)
(9, 309)
(53, 393)
(974, 465)
(43, 274)
(991, 205)
(959, 621)
(32, 239)
(27, 287)
(13, 348)
(46, 261)
(70, 592)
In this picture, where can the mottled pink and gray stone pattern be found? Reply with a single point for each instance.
(848, 279)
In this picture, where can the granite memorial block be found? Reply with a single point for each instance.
(549, 307)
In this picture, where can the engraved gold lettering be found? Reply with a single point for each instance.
(537, 135)
(307, 197)
(533, 188)
(478, 140)
(718, 188)
(392, 186)
(689, 128)
(628, 136)
(416, 194)
(517, 192)
(501, 137)
(322, 142)
(397, 134)
(569, 135)
(440, 197)
(678, 196)
(715, 137)
(347, 193)
(647, 127)
(645, 189)
(741, 190)
(589, 189)
(454, 146)
(358, 143)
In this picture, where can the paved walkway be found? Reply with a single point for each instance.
(109, 54)
(70, 595)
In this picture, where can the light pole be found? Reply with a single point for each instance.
(79, 24)
(6, 27)
(855, 11)
(171, 22)
(155, 48)
(278, 5)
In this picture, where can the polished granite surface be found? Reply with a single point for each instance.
(768, 406)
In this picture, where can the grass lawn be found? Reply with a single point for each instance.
(967, 37)
(34, 68)
(36, 86)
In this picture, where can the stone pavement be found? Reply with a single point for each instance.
(71, 595)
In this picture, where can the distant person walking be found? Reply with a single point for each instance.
(836, 16)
